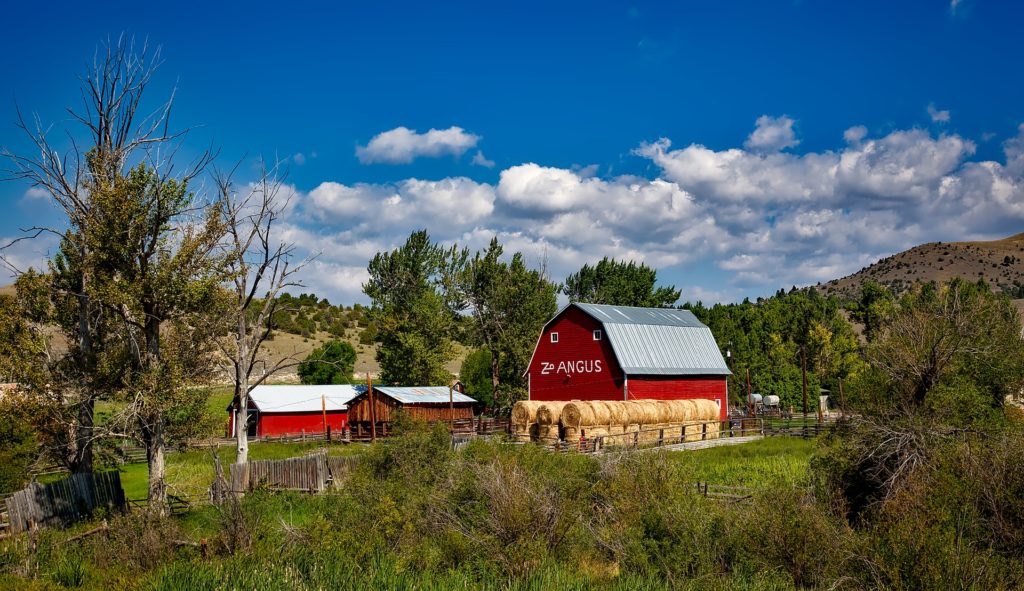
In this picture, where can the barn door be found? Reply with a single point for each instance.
(250, 424)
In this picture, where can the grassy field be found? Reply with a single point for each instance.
(190, 473)
(759, 464)
(327, 541)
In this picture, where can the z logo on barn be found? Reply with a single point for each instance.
(570, 367)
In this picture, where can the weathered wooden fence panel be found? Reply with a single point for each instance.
(309, 474)
(65, 501)
(340, 468)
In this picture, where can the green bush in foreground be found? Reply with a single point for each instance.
(416, 515)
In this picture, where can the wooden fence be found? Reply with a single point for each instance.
(314, 473)
(808, 428)
(65, 501)
(665, 436)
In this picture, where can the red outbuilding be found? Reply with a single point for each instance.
(599, 352)
(292, 410)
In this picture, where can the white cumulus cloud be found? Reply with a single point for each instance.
(772, 134)
(403, 145)
(759, 218)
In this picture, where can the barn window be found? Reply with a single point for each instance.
(554, 337)
(597, 335)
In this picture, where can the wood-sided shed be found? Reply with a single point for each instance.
(429, 403)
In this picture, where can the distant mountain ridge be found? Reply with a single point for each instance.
(998, 262)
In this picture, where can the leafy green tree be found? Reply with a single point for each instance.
(157, 271)
(619, 283)
(19, 447)
(941, 366)
(475, 374)
(331, 363)
(414, 309)
(872, 308)
(766, 337)
(509, 304)
(959, 330)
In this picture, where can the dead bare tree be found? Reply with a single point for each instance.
(116, 129)
(260, 267)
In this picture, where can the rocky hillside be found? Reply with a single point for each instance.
(999, 262)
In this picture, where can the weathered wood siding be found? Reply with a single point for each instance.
(385, 406)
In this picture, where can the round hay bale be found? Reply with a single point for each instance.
(547, 433)
(602, 413)
(634, 412)
(618, 415)
(524, 412)
(571, 434)
(577, 414)
(707, 410)
(666, 411)
(549, 413)
(650, 411)
(687, 411)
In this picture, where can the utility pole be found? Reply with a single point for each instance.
(842, 400)
(373, 409)
(323, 409)
(451, 408)
(750, 396)
(803, 371)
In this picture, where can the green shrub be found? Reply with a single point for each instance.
(330, 363)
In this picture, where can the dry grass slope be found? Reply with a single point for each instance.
(999, 262)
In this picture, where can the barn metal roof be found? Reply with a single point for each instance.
(422, 394)
(293, 398)
(648, 316)
(659, 341)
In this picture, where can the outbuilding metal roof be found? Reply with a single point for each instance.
(290, 398)
(422, 394)
(659, 341)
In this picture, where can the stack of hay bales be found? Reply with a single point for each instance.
(549, 425)
(620, 422)
(643, 421)
(524, 420)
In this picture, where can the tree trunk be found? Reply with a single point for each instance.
(495, 384)
(153, 437)
(242, 420)
(153, 422)
(83, 457)
(83, 435)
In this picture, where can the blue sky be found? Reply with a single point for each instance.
(739, 147)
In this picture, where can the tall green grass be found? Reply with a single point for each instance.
(767, 462)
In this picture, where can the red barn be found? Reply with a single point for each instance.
(598, 352)
(290, 410)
